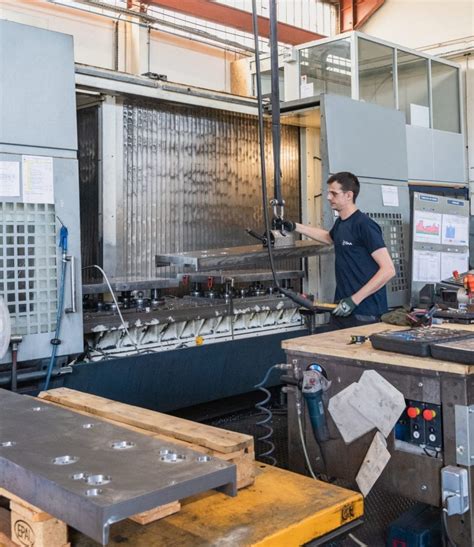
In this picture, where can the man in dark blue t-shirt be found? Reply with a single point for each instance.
(363, 264)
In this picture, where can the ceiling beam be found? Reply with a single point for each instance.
(354, 13)
(235, 18)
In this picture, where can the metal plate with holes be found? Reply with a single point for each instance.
(232, 257)
(464, 416)
(89, 473)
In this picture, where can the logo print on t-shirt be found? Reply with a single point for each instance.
(344, 242)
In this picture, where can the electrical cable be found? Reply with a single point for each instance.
(125, 328)
(303, 443)
(451, 543)
(265, 423)
(304, 302)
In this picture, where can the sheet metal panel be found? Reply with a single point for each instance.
(365, 138)
(38, 89)
(191, 181)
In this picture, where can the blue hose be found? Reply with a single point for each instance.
(63, 235)
(266, 421)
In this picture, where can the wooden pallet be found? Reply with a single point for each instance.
(235, 448)
(30, 526)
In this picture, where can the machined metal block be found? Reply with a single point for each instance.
(232, 257)
(89, 473)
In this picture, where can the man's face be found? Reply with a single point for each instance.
(338, 199)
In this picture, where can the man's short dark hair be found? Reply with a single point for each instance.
(348, 181)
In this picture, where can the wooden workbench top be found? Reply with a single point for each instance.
(335, 344)
(280, 509)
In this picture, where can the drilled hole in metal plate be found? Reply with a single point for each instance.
(122, 445)
(173, 458)
(93, 492)
(97, 480)
(87, 426)
(7, 444)
(79, 476)
(65, 460)
(204, 459)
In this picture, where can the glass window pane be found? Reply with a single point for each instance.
(327, 67)
(376, 73)
(266, 79)
(413, 96)
(445, 91)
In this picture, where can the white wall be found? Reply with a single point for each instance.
(418, 23)
(182, 60)
(93, 35)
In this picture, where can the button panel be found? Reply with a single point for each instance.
(421, 425)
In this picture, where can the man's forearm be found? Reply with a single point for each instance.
(379, 280)
(318, 234)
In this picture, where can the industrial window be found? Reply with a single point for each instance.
(413, 91)
(376, 70)
(28, 277)
(445, 91)
(327, 67)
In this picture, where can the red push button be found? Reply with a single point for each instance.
(413, 411)
(429, 414)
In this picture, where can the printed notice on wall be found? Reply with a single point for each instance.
(455, 230)
(426, 266)
(37, 179)
(453, 261)
(427, 227)
(390, 196)
(9, 179)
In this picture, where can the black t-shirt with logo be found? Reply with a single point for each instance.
(355, 239)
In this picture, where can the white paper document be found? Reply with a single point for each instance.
(426, 266)
(306, 90)
(455, 230)
(427, 227)
(38, 184)
(390, 196)
(453, 261)
(9, 179)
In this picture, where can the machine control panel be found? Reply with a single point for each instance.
(420, 425)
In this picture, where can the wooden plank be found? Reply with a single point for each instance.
(244, 459)
(178, 428)
(157, 513)
(335, 344)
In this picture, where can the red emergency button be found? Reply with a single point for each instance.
(429, 414)
(413, 411)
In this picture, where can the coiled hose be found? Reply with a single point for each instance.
(265, 423)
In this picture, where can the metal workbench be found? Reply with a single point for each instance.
(413, 475)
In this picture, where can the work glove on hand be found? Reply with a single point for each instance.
(283, 225)
(345, 307)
